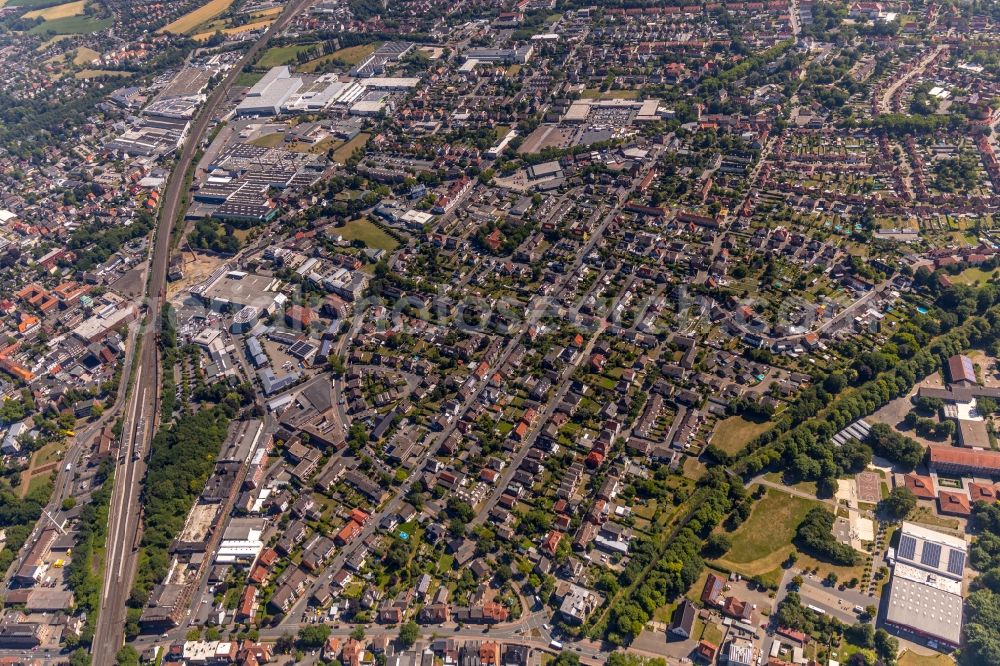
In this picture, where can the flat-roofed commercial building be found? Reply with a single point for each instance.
(925, 596)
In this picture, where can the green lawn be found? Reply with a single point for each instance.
(732, 434)
(712, 634)
(349, 56)
(248, 78)
(369, 233)
(72, 25)
(971, 276)
(444, 564)
(283, 55)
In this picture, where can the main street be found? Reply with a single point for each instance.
(141, 411)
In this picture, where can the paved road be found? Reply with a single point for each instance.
(124, 519)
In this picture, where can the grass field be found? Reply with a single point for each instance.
(909, 658)
(344, 152)
(352, 55)
(37, 482)
(282, 55)
(248, 78)
(368, 233)
(94, 73)
(85, 55)
(595, 93)
(196, 17)
(764, 541)
(59, 11)
(29, 4)
(72, 25)
(268, 140)
(971, 276)
(204, 36)
(49, 42)
(769, 529)
(732, 434)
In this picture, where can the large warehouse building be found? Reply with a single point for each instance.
(925, 597)
(268, 95)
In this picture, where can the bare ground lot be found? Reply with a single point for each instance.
(546, 136)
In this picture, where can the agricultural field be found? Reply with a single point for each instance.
(59, 11)
(28, 4)
(72, 25)
(240, 29)
(196, 17)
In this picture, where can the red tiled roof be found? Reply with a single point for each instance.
(921, 486)
(947, 455)
(957, 503)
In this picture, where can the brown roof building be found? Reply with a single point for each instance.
(955, 504)
(921, 486)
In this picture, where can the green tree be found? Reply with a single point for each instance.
(887, 646)
(127, 656)
(313, 635)
(80, 657)
(717, 545)
(900, 502)
(409, 632)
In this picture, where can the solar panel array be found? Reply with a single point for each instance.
(907, 547)
(931, 555)
(956, 562)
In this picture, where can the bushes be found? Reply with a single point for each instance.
(815, 534)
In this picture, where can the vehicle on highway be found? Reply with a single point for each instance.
(555, 645)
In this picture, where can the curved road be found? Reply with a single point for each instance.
(143, 403)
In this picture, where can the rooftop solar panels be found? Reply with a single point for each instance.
(907, 547)
(956, 562)
(931, 555)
